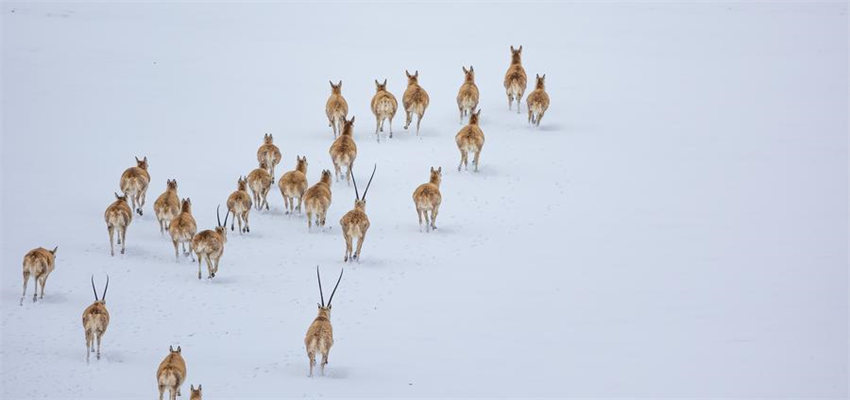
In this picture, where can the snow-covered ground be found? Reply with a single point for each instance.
(677, 226)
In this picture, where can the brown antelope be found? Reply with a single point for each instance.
(537, 101)
(515, 79)
(39, 263)
(118, 217)
(239, 204)
(467, 95)
(336, 108)
(355, 223)
(195, 394)
(269, 153)
(209, 245)
(167, 205)
(384, 106)
(320, 335)
(415, 100)
(427, 198)
(470, 139)
(260, 181)
(182, 229)
(171, 373)
(343, 151)
(95, 320)
(317, 199)
(293, 184)
(134, 183)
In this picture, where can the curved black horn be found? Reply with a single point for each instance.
(226, 215)
(217, 215)
(93, 289)
(370, 181)
(103, 296)
(319, 277)
(356, 193)
(337, 283)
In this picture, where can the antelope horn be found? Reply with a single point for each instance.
(226, 216)
(217, 215)
(370, 181)
(319, 277)
(337, 284)
(93, 289)
(356, 193)
(103, 296)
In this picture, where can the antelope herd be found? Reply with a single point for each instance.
(175, 215)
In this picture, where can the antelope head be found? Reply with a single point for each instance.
(301, 164)
(325, 310)
(473, 118)
(268, 138)
(380, 86)
(469, 74)
(120, 198)
(102, 299)
(143, 163)
(242, 184)
(540, 81)
(412, 79)
(516, 55)
(171, 184)
(437, 175)
(336, 89)
(348, 126)
(360, 202)
(221, 229)
(185, 206)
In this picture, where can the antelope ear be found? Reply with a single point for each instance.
(116, 195)
(352, 120)
(137, 158)
(332, 84)
(376, 83)
(464, 70)
(339, 85)
(544, 77)
(145, 159)
(440, 170)
(520, 49)
(537, 75)
(54, 249)
(192, 387)
(512, 48)
(170, 348)
(416, 75)
(407, 73)
(200, 388)
(385, 81)
(179, 349)
(470, 69)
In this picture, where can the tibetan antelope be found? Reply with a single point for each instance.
(538, 101)
(195, 394)
(239, 204)
(209, 245)
(260, 181)
(317, 200)
(171, 373)
(39, 263)
(182, 229)
(134, 183)
(467, 95)
(118, 217)
(415, 100)
(384, 106)
(355, 223)
(95, 320)
(515, 79)
(343, 151)
(427, 198)
(167, 205)
(269, 153)
(336, 108)
(293, 184)
(320, 335)
(470, 139)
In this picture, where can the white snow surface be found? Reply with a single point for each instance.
(676, 226)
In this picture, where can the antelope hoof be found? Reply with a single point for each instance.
(122, 251)
(34, 298)
(98, 356)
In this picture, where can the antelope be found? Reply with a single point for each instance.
(427, 197)
(343, 151)
(384, 106)
(183, 228)
(355, 223)
(195, 394)
(515, 79)
(415, 100)
(167, 205)
(239, 204)
(293, 184)
(118, 217)
(336, 108)
(467, 95)
(317, 199)
(209, 245)
(134, 183)
(171, 373)
(320, 335)
(470, 139)
(95, 320)
(39, 263)
(269, 153)
(260, 181)
(537, 101)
